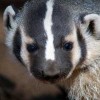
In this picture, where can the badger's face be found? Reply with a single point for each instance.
(44, 38)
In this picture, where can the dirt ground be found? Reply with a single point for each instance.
(25, 84)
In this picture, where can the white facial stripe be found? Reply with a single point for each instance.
(24, 53)
(76, 52)
(49, 53)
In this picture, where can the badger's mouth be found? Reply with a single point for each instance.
(47, 78)
(51, 79)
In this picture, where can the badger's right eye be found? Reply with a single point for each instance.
(32, 48)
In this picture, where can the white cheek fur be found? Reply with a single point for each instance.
(24, 53)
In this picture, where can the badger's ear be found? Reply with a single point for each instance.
(91, 23)
(9, 17)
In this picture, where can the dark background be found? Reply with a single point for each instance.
(11, 69)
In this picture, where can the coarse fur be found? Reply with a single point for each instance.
(84, 84)
(68, 32)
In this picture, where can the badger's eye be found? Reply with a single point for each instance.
(68, 46)
(32, 48)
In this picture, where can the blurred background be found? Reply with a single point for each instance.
(11, 70)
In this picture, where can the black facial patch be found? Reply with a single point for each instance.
(82, 45)
(17, 45)
(34, 16)
(62, 22)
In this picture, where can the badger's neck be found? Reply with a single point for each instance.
(86, 86)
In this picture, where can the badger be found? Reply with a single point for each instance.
(58, 41)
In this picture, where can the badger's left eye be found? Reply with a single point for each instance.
(68, 46)
(32, 48)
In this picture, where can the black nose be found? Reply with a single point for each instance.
(50, 71)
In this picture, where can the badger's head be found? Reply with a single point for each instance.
(45, 39)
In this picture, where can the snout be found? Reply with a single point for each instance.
(51, 68)
(50, 72)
